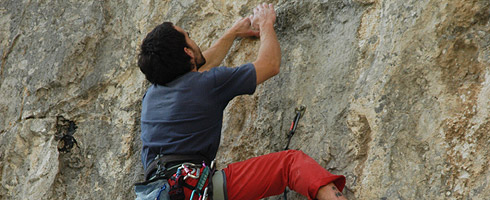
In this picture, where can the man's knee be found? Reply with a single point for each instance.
(293, 151)
(294, 154)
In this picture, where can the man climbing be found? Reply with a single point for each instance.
(182, 114)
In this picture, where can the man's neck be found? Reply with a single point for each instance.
(194, 69)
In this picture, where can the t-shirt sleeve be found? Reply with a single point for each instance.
(231, 82)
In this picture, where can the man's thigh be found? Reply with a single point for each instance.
(257, 177)
(152, 190)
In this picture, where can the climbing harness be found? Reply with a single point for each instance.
(166, 165)
(182, 172)
(299, 113)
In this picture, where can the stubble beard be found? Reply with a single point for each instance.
(200, 62)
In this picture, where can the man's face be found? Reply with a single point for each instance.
(198, 59)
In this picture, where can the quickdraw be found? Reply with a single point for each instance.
(299, 113)
(201, 183)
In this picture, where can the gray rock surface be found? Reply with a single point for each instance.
(397, 93)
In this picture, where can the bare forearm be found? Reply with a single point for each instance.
(269, 51)
(217, 52)
(269, 58)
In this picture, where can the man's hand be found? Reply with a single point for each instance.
(329, 191)
(217, 52)
(242, 28)
(264, 15)
(269, 58)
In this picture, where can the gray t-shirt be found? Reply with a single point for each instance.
(185, 116)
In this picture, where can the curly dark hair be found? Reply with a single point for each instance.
(162, 57)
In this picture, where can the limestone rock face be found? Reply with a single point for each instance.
(397, 93)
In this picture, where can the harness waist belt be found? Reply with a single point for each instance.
(170, 160)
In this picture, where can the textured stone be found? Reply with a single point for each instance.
(397, 93)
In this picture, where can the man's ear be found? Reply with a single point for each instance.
(189, 52)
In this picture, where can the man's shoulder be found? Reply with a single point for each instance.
(224, 69)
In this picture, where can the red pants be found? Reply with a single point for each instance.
(269, 175)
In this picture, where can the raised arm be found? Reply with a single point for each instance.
(269, 57)
(217, 52)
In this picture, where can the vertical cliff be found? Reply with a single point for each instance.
(397, 93)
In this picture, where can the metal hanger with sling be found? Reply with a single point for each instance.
(299, 113)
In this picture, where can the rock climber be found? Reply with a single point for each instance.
(182, 114)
